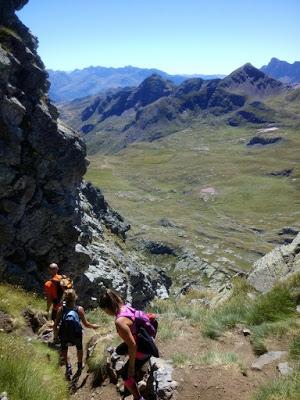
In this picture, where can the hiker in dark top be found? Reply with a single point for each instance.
(69, 318)
(139, 352)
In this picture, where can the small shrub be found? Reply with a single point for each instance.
(210, 358)
(294, 350)
(275, 305)
(167, 327)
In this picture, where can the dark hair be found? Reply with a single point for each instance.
(111, 299)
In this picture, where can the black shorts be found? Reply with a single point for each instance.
(53, 314)
(77, 343)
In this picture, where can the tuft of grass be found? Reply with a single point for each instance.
(97, 316)
(97, 361)
(213, 358)
(286, 388)
(30, 370)
(276, 305)
(294, 350)
(167, 327)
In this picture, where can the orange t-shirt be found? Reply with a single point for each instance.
(50, 289)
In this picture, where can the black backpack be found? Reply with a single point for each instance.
(59, 291)
(70, 328)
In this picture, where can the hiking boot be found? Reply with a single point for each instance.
(68, 372)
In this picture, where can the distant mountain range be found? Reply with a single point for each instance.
(67, 86)
(283, 71)
(94, 80)
(157, 107)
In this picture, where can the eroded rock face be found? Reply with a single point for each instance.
(278, 264)
(47, 213)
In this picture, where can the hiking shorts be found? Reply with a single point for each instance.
(77, 343)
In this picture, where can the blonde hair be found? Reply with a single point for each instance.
(70, 297)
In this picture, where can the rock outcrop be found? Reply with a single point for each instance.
(279, 264)
(47, 212)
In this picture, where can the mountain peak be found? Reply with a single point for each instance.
(283, 71)
(151, 89)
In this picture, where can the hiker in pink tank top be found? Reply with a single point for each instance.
(126, 326)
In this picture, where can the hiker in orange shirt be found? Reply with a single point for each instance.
(53, 291)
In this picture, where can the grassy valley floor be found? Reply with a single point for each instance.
(218, 195)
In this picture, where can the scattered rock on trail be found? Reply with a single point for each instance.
(246, 332)
(278, 264)
(6, 322)
(164, 386)
(45, 333)
(284, 368)
(267, 358)
(35, 319)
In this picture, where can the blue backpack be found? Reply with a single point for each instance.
(70, 328)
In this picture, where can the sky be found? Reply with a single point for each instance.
(184, 37)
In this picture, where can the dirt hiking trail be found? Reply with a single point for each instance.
(228, 381)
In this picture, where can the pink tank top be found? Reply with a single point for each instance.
(129, 312)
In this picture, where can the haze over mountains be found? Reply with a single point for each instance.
(93, 80)
(158, 107)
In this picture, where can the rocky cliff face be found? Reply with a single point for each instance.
(47, 213)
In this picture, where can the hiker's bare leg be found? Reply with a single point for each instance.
(65, 356)
(133, 389)
(80, 356)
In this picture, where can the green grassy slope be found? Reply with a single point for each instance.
(29, 369)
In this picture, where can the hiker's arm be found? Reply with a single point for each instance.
(85, 322)
(49, 303)
(55, 326)
(48, 297)
(123, 329)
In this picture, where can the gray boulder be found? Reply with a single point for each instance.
(267, 358)
(279, 264)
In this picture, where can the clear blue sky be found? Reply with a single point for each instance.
(190, 36)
